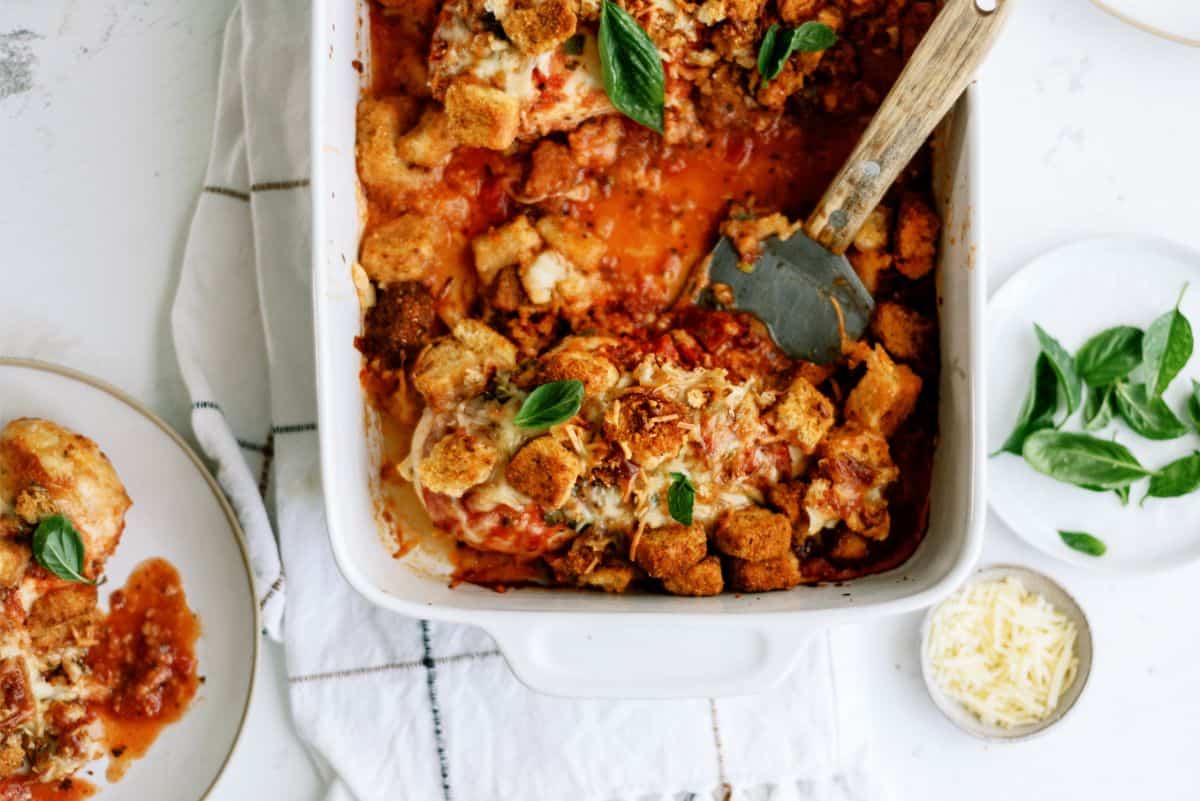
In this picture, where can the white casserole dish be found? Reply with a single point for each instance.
(582, 644)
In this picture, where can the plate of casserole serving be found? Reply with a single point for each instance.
(549, 411)
(128, 626)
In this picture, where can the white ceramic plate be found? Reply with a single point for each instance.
(1060, 600)
(1173, 19)
(1075, 292)
(178, 514)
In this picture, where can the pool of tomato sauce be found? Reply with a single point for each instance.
(653, 238)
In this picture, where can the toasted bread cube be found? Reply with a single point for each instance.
(647, 427)
(803, 415)
(17, 699)
(453, 368)
(542, 274)
(581, 247)
(904, 333)
(795, 12)
(458, 462)
(874, 233)
(14, 558)
(12, 755)
(916, 237)
(850, 547)
(596, 144)
(33, 504)
(537, 26)
(573, 361)
(544, 470)
(380, 122)
(885, 396)
(701, 579)
(612, 576)
(552, 171)
(854, 470)
(670, 550)
(504, 246)
(482, 116)
(430, 143)
(404, 249)
(753, 534)
(869, 265)
(64, 617)
(768, 575)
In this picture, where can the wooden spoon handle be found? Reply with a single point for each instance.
(934, 78)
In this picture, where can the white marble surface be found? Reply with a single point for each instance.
(105, 110)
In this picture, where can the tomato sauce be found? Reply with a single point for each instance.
(71, 789)
(147, 657)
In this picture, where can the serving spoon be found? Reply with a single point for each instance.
(803, 288)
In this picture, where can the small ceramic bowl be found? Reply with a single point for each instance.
(1058, 597)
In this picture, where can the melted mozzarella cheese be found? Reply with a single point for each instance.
(1006, 654)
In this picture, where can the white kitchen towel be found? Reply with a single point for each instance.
(393, 707)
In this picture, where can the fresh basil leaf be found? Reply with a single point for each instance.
(574, 45)
(1098, 409)
(778, 44)
(1064, 366)
(1180, 477)
(1150, 417)
(1193, 405)
(631, 66)
(1109, 356)
(1121, 492)
(58, 547)
(551, 404)
(1166, 348)
(1082, 460)
(681, 498)
(1038, 410)
(1083, 542)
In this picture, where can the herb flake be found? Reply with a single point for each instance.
(1083, 542)
(681, 498)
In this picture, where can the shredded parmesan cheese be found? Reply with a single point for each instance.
(1004, 653)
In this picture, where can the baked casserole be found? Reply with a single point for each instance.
(528, 244)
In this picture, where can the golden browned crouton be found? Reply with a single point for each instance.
(545, 471)
(80, 479)
(868, 265)
(874, 233)
(16, 696)
(12, 756)
(803, 415)
(552, 171)
(506, 292)
(380, 123)
(64, 617)
(458, 462)
(595, 144)
(581, 247)
(904, 333)
(747, 232)
(648, 428)
(536, 26)
(542, 274)
(916, 237)
(574, 360)
(11, 526)
(701, 579)
(670, 550)
(399, 322)
(592, 562)
(793, 12)
(753, 534)
(768, 575)
(504, 246)
(482, 116)
(33, 504)
(611, 576)
(885, 396)
(404, 249)
(456, 367)
(850, 547)
(430, 142)
(854, 470)
(14, 558)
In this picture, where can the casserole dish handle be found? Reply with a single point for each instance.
(589, 658)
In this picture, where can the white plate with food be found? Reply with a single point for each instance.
(1110, 291)
(132, 626)
(460, 242)
(1178, 20)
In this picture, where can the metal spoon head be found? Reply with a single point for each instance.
(805, 295)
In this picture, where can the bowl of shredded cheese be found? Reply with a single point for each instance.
(1007, 655)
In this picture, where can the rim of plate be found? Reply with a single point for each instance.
(1146, 27)
(993, 734)
(1013, 284)
(235, 528)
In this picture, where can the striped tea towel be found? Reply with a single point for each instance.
(398, 708)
